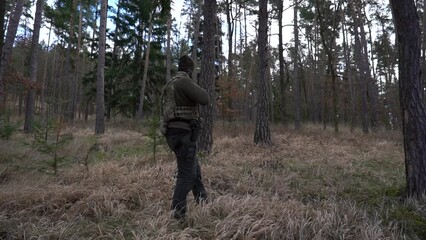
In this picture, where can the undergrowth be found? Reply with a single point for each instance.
(311, 184)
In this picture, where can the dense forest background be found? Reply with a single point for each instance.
(306, 105)
(329, 62)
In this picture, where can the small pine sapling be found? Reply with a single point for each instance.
(7, 128)
(50, 139)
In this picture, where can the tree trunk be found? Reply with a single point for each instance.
(346, 50)
(269, 83)
(375, 85)
(208, 74)
(317, 82)
(2, 15)
(281, 61)
(330, 62)
(297, 98)
(6, 52)
(77, 72)
(194, 54)
(29, 107)
(56, 68)
(100, 81)
(88, 109)
(230, 23)
(362, 74)
(371, 83)
(262, 134)
(44, 82)
(145, 70)
(424, 50)
(411, 95)
(70, 72)
(168, 49)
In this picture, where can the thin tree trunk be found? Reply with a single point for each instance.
(236, 20)
(169, 50)
(70, 73)
(317, 83)
(44, 83)
(371, 84)
(269, 82)
(88, 109)
(248, 73)
(311, 78)
(29, 107)
(376, 84)
(145, 70)
(297, 98)
(281, 61)
(194, 55)
(77, 72)
(245, 26)
(424, 50)
(81, 89)
(54, 80)
(348, 75)
(100, 81)
(2, 15)
(114, 64)
(138, 64)
(230, 23)
(247, 109)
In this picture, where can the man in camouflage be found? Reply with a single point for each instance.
(180, 126)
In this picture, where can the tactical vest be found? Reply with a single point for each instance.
(168, 109)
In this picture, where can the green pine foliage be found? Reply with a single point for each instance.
(7, 128)
(49, 139)
(124, 58)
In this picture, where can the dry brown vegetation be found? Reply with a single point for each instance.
(309, 185)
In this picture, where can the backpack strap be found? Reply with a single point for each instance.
(163, 93)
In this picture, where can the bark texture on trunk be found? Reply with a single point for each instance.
(100, 81)
(29, 108)
(208, 75)
(411, 94)
(262, 134)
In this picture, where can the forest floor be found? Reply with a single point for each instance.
(312, 184)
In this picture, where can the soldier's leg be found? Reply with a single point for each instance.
(185, 155)
(198, 190)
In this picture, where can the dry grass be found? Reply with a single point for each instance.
(309, 185)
